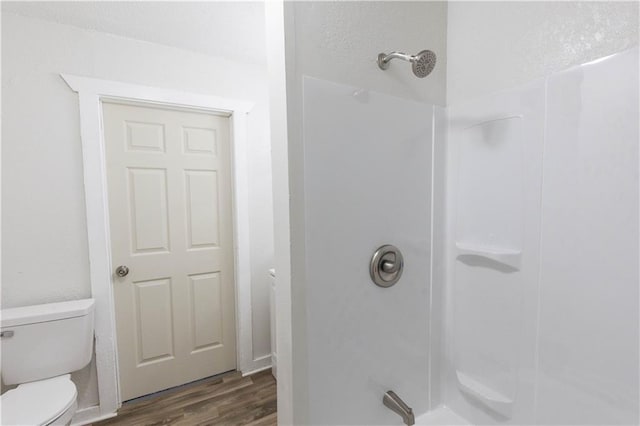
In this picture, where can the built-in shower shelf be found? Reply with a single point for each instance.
(484, 394)
(509, 257)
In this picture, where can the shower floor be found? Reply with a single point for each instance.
(441, 416)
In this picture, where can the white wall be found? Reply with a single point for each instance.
(338, 42)
(589, 320)
(44, 252)
(364, 340)
(495, 150)
(226, 29)
(552, 339)
(500, 57)
(498, 45)
(276, 64)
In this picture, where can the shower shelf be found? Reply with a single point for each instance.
(487, 396)
(509, 257)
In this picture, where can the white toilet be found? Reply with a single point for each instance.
(41, 345)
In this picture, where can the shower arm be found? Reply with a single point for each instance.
(384, 59)
(421, 64)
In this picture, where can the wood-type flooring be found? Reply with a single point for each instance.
(227, 399)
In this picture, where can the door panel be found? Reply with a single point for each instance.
(149, 210)
(170, 217)
(200, 141)
(154, 325)
(205, 302)
(145, 136)
(202, 208)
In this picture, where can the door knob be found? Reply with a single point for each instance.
(122, 271)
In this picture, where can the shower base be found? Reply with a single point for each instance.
(441, 416)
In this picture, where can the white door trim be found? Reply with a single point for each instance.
(91, 92)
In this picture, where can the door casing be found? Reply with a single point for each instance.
(92, 92)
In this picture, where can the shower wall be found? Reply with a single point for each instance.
(340, 41)
(519, 302)
(360, 148)
(540, 292)
(542, 299)
(500, 45)
(365, 187)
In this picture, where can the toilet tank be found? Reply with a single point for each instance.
(43, 341)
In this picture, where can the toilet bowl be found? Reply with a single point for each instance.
(41, 345)
(44, 402)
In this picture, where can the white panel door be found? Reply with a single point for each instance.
(170, 218)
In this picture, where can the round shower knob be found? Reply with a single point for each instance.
(386, 266)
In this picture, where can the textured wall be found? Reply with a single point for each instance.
(189, 25)
(340, 41)
(499, 45)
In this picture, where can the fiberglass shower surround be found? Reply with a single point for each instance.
(523, 307)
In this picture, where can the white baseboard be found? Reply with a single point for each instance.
(274, 365)
(89, 415)
(258, 365)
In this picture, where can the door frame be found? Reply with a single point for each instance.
(91, 93)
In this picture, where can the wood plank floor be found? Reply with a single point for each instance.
(228, 399)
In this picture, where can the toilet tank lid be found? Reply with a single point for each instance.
(48, 312)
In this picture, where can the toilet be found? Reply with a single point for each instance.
(41, 346)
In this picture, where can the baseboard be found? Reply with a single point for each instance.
(274, 364)
(258, 365)
(89, 415)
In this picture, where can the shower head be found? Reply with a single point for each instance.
(422, 63)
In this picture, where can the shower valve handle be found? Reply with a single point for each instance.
(389, 266)
(386, 266)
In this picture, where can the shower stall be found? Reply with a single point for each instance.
(504, 177)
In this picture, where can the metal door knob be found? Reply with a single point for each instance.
(122, 271)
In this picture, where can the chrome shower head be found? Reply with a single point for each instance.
(423, 63)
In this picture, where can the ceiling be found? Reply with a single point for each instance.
(233, 30)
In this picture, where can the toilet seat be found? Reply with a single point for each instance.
(43, 402)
